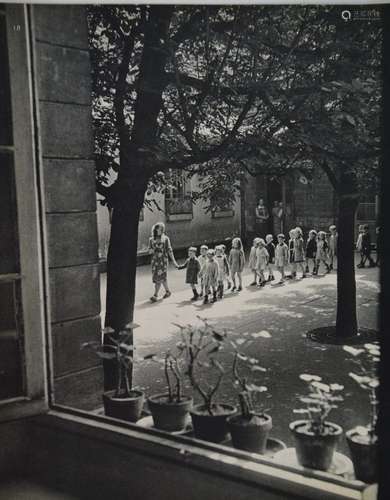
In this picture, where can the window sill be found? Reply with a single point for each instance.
(15, 408)
(223, 464)
(222, 214)
(179, 217)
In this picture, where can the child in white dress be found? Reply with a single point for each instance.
(262, 259)
(202, 261)
(236, 263)
(228, 283)
(298, 253)
(223, 267)
(252, 260)
(211, 274)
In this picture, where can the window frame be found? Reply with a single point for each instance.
(185, 194)
(194, 453)
(29, 219)
(242, 466)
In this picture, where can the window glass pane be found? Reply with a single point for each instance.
(11, 371)
(9, 254)
(5, 100)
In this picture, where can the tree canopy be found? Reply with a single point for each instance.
(254, 89)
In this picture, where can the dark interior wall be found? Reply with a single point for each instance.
(63, 89)
(13, 445)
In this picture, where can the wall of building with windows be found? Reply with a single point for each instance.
(310, 204)
(186, 223)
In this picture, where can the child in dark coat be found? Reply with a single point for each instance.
(311, 251)
(193, 267)
(271, 251)
(366, 248)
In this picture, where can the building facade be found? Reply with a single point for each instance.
(187, 224)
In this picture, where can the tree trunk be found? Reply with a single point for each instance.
(136, 167)
(121, 274)
(346, 319)
(121, 266)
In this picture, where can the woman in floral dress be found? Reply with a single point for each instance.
(161, 250)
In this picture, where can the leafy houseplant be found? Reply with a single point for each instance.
(362, 440)
(201, 346)
(124, 402)
(249, 429)
(170, 411)
(315, 437)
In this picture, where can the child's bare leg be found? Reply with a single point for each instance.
(234, 281)
(262, 278)
(239, 281)
(157, 287)
(254, 278)
(293, 269)
(165, 285)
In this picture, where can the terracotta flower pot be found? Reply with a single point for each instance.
(250, 434)
(364, 456)
(169, 416)
(211, 427)
(315, 451)
(129, 408)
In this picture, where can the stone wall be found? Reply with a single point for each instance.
(62, 75)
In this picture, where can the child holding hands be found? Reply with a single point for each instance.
(193, 267)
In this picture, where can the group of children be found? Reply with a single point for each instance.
(213, 268)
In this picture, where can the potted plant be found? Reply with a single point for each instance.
(123, 402)
(201, 346)
(362, 440)
(316, 438)
(170, 411)
(249, 429)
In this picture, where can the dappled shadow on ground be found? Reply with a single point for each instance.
(287, 313)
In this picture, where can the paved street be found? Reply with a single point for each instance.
(287, 312)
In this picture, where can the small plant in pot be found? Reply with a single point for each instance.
(362, 439)
(315, 437)
(201, 346)
(170, 411)
(249, 429)
(123, 402)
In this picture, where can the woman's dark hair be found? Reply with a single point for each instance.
(156, 227)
